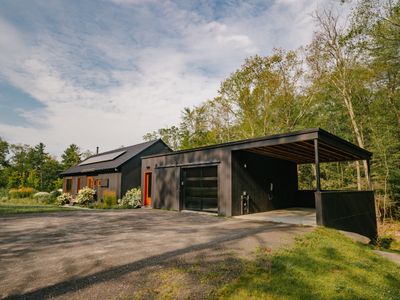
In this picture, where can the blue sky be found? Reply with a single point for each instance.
(104, 73)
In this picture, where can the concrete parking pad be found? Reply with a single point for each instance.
(65, 254)
(294, 215)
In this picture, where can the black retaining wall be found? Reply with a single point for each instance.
(347, 210)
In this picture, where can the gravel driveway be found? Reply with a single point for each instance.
(65, 254)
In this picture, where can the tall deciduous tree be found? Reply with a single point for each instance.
(170, 135)
(332, 61)
(265, 94)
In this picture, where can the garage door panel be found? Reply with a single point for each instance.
(200, 188)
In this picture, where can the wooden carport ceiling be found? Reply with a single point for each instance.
(303, 152)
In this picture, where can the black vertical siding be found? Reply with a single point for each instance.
(347, 210)
(166, 192)
(167, 172)
(131, 170)
(254, 174)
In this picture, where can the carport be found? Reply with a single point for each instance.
(220, 178)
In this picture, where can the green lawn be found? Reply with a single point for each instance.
(322, 265)
(27, 205)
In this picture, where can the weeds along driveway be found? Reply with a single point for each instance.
(55, 254)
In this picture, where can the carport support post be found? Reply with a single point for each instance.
(369, 175)
(317, 171)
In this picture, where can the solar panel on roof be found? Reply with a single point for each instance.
(101, 158)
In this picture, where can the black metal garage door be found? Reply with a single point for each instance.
(200, 188)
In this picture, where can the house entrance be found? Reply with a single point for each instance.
(147, 189)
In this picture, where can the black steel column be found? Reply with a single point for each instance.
(317, 171)
(369, 175)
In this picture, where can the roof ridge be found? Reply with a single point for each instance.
(122, 148)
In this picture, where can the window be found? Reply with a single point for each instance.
(68, 185)
(97, 183)
(89, 182)
(104, 183)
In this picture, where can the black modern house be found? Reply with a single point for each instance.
(116, 170)
(260, 174)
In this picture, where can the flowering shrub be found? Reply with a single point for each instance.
(42, 197)
(85, 196)
(132, 199)
(64, 198)
(23, 192)
(109, 199)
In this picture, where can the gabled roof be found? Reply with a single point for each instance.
(109, 160)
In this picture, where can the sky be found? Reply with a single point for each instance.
(105, 72)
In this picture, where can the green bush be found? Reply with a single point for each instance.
(3, 193)
(43, 197)
(109, 199)
(54, 194)
(132, 199)
(85, 196)
(385, 242)
(23, 192)
(64, 198)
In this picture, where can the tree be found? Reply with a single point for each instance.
(20, 165)
(265, 94)
(71, 156)
(37, 158)
(51, 171)
(4, 151)
(333, 62)
(86, 154)
(170, 135)
(375, 32)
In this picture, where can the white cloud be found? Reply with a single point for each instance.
(131, 68)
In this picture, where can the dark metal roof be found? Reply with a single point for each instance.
(130, 152)
(295, 146)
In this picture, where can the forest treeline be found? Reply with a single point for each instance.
(26, 166)
(346, 81)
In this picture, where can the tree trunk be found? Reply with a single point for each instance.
(358, 175)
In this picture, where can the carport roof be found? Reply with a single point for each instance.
(295, 146)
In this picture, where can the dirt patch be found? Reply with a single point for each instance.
(130, 253)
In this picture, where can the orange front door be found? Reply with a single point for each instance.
(89, 181)
(147, 189)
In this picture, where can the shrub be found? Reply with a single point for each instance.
(85, 196)
(23, 192)
(109, 198)
(13, 193)
(26, 192)
(132, 199)
(3, 193)
(64, 198)
(42, 197)
(385, 242)
(54, 194)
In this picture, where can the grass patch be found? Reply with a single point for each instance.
(322, 265)
(27, 205)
